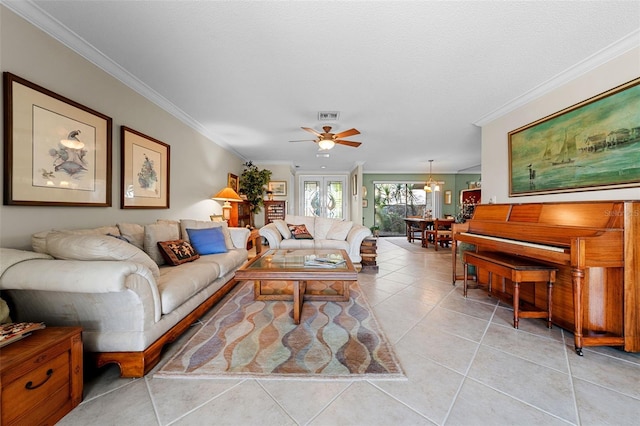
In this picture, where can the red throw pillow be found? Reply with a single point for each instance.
(177, 252)
(299, 232)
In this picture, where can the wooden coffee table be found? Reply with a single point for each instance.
(287, 266)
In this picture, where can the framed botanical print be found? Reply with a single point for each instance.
(57, 152)
(232, 181)
(145, 165)
(277, 187)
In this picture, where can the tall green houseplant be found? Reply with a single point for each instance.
(252, 184)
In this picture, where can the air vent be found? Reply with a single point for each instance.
(328, 115)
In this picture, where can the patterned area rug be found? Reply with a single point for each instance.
(415, 247)
(257, 339)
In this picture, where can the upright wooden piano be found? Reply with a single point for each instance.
(596, 247)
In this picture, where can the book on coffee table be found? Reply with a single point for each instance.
(323, 262)
(10, 333)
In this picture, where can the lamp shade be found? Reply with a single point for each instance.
(227, 194)
(326, 143)
(431, 185)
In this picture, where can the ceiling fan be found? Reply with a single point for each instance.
(327, 140)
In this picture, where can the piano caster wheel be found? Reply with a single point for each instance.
(579, 351)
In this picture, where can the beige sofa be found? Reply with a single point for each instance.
(113, 282)
(325, 234)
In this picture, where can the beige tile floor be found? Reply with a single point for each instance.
(464, 362)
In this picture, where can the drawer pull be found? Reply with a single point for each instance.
(30, 385)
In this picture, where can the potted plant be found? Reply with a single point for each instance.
(252, 185)
(375, 230)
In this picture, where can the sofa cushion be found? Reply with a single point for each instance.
(120, 237)
(39, 240)
(297, 244)
(159, 232)
(299, 232)
(208, 240)
(227, 262)
(205, 224)
(179, 283)
(322, 227)
(282, 227)
(177, 252)
(62, 245)
(308, 221)
(332, 244)
(339, 230)
(133, 232)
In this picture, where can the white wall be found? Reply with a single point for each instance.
(199, 167)
(279, 172)
(495, 157)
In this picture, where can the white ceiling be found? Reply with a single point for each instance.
(412, 76)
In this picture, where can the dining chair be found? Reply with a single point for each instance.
(440, 234)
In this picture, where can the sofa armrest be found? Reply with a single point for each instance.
(271, 233)
(239, 236)
(355, 237)
(85, 276)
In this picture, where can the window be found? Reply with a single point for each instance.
(396, 201)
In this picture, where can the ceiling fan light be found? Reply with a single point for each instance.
(326, 144)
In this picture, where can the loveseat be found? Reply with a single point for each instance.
(321, 233)
(116, 283)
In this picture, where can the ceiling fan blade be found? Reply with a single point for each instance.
(304, 140)
(347, 133)
(348, 143)
(310, 130)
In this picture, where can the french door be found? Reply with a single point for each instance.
(323, 196)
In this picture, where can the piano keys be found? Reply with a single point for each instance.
(595, 246)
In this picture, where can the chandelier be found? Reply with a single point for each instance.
(431, 183)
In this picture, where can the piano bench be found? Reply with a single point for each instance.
(518, 270)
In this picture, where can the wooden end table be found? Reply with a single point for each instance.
(41, 376)
(256, 239)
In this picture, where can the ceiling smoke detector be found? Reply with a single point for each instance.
(328, 115)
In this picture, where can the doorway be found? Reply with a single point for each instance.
(323, 196)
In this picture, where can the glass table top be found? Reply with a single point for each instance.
(288, 259)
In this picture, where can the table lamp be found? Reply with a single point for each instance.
(227, 195)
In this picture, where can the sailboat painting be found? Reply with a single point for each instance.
(592, 145)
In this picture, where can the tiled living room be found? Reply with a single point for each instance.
(464, 364)
(130, 128)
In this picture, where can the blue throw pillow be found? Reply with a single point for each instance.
(207, 241)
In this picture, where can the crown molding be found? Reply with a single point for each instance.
(29, 11)
(599, 58)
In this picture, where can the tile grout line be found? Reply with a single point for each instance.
(571, 381)
(331, 401)
(196, 408)
(465, 375)
(153, 401)
(259, 383)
